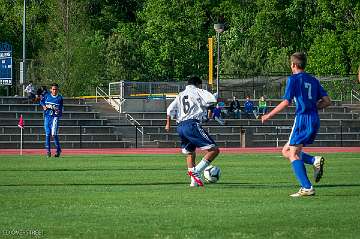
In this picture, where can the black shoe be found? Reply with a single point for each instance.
(57, 154)
(48, 154)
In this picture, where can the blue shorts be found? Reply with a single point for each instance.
(193, 136)
(51, 125)
(304, 129)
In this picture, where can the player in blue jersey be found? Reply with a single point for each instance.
(53, 107)
(309, 96)
(190, 110)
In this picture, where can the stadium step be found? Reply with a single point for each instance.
(67, 144)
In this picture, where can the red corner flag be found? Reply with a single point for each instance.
(21, 122)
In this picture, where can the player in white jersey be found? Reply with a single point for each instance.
(190, 110)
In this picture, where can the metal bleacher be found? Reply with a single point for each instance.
(143, 104)
(80, 126)
(340, 126)
(95, 124)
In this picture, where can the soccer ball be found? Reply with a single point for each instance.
(212, 174)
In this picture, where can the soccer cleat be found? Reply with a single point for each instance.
(58, 153)
(303, 192)
(48, 154)
(195, 177)
(318, 168)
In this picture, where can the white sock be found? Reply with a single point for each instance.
(202, 165)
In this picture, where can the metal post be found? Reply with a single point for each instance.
(219, 28)
(218, 64)
(136, 137)
(341, 134)
(96, 94)
(80, 136)
(243, 138)
(24, 50)
(253, 86)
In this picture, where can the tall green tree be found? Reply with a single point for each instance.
(124, 60)
(175, 43)
(105, 15)
(326, 55)
(11, 25)
(74, 54)
(239, 55)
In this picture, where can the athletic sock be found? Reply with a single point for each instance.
(300, 173)
(307, 158)
(202, 165)
(47, 143)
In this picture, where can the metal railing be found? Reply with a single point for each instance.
(355, 96)
(244, 136)
(110, 99)
(117, 105)
(137, 125)
(127, 89)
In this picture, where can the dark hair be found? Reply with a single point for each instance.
(54, 84)
(194, 80)
(299, 59)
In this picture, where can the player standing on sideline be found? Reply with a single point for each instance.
(53, 106)
(190, 109)
(309, 96)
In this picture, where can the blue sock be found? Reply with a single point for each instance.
(57, 143)
(307, 158)
(300, 173)
(47, 143)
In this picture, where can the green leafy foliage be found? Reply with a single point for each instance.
(326, 55)
(81, 44)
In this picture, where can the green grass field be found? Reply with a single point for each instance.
(147, 196)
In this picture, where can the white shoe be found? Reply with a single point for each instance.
(304, 192)
(195, 179)
(318, 168)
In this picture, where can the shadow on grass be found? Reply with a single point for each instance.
(254, 185)
(220, 185)
(93, 184)
(338, 185)
(283, 185)
(87, 169)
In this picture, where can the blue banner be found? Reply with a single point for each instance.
(5, 64)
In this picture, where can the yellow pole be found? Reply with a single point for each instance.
(211, 61)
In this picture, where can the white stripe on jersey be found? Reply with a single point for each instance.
(54, 126)
(202, 132)
(191, 103)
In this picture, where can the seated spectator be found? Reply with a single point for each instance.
(40, 93)
(235, 108)
(249, 108)
(216, 114)
(30, 91)
(224, 111)
(262, 107)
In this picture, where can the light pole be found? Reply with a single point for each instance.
(23, 65)
(219, 28)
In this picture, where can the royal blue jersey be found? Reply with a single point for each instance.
(54, 103)
(216, 112)
(306, 91)
(248, 106)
